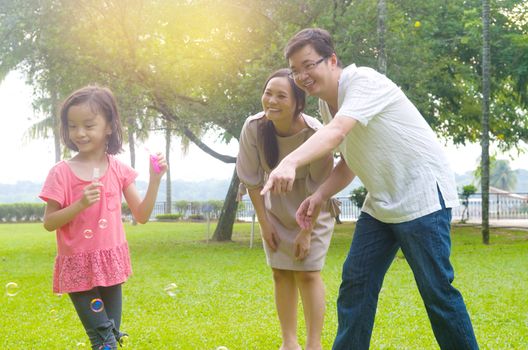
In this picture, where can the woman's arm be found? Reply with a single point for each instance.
(268, 231)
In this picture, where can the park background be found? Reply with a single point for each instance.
(188, 73)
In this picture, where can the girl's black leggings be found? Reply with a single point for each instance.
(100, 320)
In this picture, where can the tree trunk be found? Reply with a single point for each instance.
(132, 149)
(168, 191)
(131, 142)
(484, 179)
(55, 109)
(224, 229)
(382, 53)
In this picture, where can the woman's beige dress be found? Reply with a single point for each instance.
(253, 170)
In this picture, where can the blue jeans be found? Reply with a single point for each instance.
(102, 327)
(426, 244)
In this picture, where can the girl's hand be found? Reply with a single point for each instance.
(301, 244)
(158, 165)
(269, 235)
(91, 194)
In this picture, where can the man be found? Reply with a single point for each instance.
(384, 140)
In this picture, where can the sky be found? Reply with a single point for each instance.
(24, 160)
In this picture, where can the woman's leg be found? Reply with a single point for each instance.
(286, 303)
(312, 292)
(99, 327)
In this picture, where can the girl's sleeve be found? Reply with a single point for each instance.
(128, 175)
(53, 188)
(248, 165)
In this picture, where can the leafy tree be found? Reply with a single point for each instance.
(173, 60)
(467, 191)
(358, 195)
(502, 176)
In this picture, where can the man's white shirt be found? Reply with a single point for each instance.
(392, 149)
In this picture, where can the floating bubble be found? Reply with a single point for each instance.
(222, 348)
(11, 289)
(88, 233)
(124, 341)
(171, 289)
(81, 345)
(54, 314)
(103, 223)
(97, 305)
(58, 295)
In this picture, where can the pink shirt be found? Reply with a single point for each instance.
(91, 249)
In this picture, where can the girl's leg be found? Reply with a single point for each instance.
(113, 301)
(99, 327)
(312, 292)
(286, 302)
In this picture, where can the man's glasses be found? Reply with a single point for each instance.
(307, 67)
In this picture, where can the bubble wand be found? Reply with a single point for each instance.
(96, 175)
(154, 161)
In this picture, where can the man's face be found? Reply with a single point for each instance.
(311, 71)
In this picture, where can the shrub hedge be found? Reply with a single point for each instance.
(22, 212)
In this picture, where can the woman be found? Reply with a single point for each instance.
(296, 256)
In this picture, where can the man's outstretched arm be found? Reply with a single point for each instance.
(324, 141)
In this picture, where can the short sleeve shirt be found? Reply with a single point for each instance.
(91, 249)
(392, 149)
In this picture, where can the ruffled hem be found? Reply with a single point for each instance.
(84, 271)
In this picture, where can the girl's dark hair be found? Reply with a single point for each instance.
(267, 129)
(101, 101)
(318, 38)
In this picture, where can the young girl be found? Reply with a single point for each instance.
(295, 256)
(83, 198)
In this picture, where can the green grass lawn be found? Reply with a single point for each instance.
(224, 294)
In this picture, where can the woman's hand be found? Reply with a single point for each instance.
(301, 244)
(270, 236)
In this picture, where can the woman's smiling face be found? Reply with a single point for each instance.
(278, 101)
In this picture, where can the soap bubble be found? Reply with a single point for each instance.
(54, 314)
(171, 289)
(88, 233)
(124, 341)
(11, 289)
(97, 305)
(103, 223)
